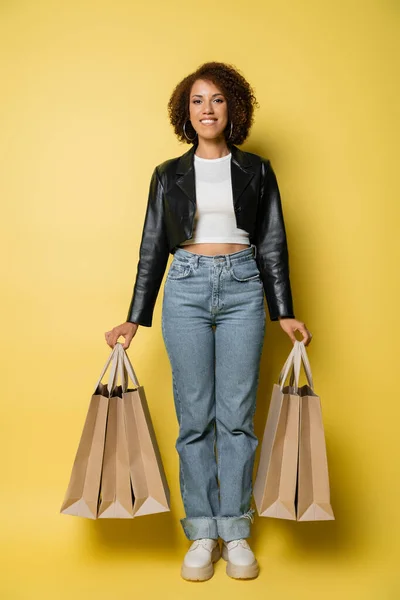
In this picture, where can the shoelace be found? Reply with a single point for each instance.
(205, 542)
(233, 543)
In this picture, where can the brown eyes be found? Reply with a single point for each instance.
(197, 100)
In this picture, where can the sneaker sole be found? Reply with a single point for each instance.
(240, 571)
(201, 573)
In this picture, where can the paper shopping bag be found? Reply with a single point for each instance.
(81, 498)
(116, 500)
(274, 487)
(313, 501)
(150, 487)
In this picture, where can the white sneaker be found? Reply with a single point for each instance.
(241, 562)
(198, 561)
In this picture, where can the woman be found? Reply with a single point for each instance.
(217, 209)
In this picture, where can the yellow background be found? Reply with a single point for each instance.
(83, 122)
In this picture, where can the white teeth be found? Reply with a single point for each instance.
(208, 121)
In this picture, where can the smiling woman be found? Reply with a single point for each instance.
(218, 210)
(209, 114)
(208, 107)
(221, 88)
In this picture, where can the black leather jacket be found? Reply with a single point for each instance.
(169, 221)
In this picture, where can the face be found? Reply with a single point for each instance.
(208, 110)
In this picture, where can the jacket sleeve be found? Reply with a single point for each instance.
(272, 250)
(153, 257)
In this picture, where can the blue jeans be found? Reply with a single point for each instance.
(213, 325)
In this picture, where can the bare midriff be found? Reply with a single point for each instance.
(214, 249)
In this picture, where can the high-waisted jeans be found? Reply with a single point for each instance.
(213, 325)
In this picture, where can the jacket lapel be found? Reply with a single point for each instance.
(241, 173)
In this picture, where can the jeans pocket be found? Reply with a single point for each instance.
(179, 270)
(245, 271)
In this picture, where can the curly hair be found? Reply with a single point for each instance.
(239, 95)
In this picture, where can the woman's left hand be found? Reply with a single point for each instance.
(290, 325)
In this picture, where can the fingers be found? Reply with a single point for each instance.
(112, 336)
(108, 337)
(306, 334)
(122, 330)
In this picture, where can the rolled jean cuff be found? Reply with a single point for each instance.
(235, 528)
(200, 527)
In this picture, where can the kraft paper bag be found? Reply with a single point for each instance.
(313, 501)
(81, 498)
(150, 487)
(116, 499)
(274, 489)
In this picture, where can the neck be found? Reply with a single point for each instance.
(212, 148)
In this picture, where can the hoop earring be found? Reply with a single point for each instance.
(184, 131)
(230, 132)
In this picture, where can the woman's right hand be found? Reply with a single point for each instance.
(127, 330)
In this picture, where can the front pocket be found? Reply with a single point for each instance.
(179, 271)
(245, 271)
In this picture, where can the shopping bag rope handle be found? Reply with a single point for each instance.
(120, 365)
(295, 376)
(286, 367)
(125, 369)
(297, 355)
(306, 365)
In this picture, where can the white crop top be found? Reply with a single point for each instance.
(215, 220)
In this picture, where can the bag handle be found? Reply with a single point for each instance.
(125, 368)
(286, 367)
(293, 361)
(120, 366)
(306, 365)
(113, 359)
(123, 375)
(129, 368)
(295, 375)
